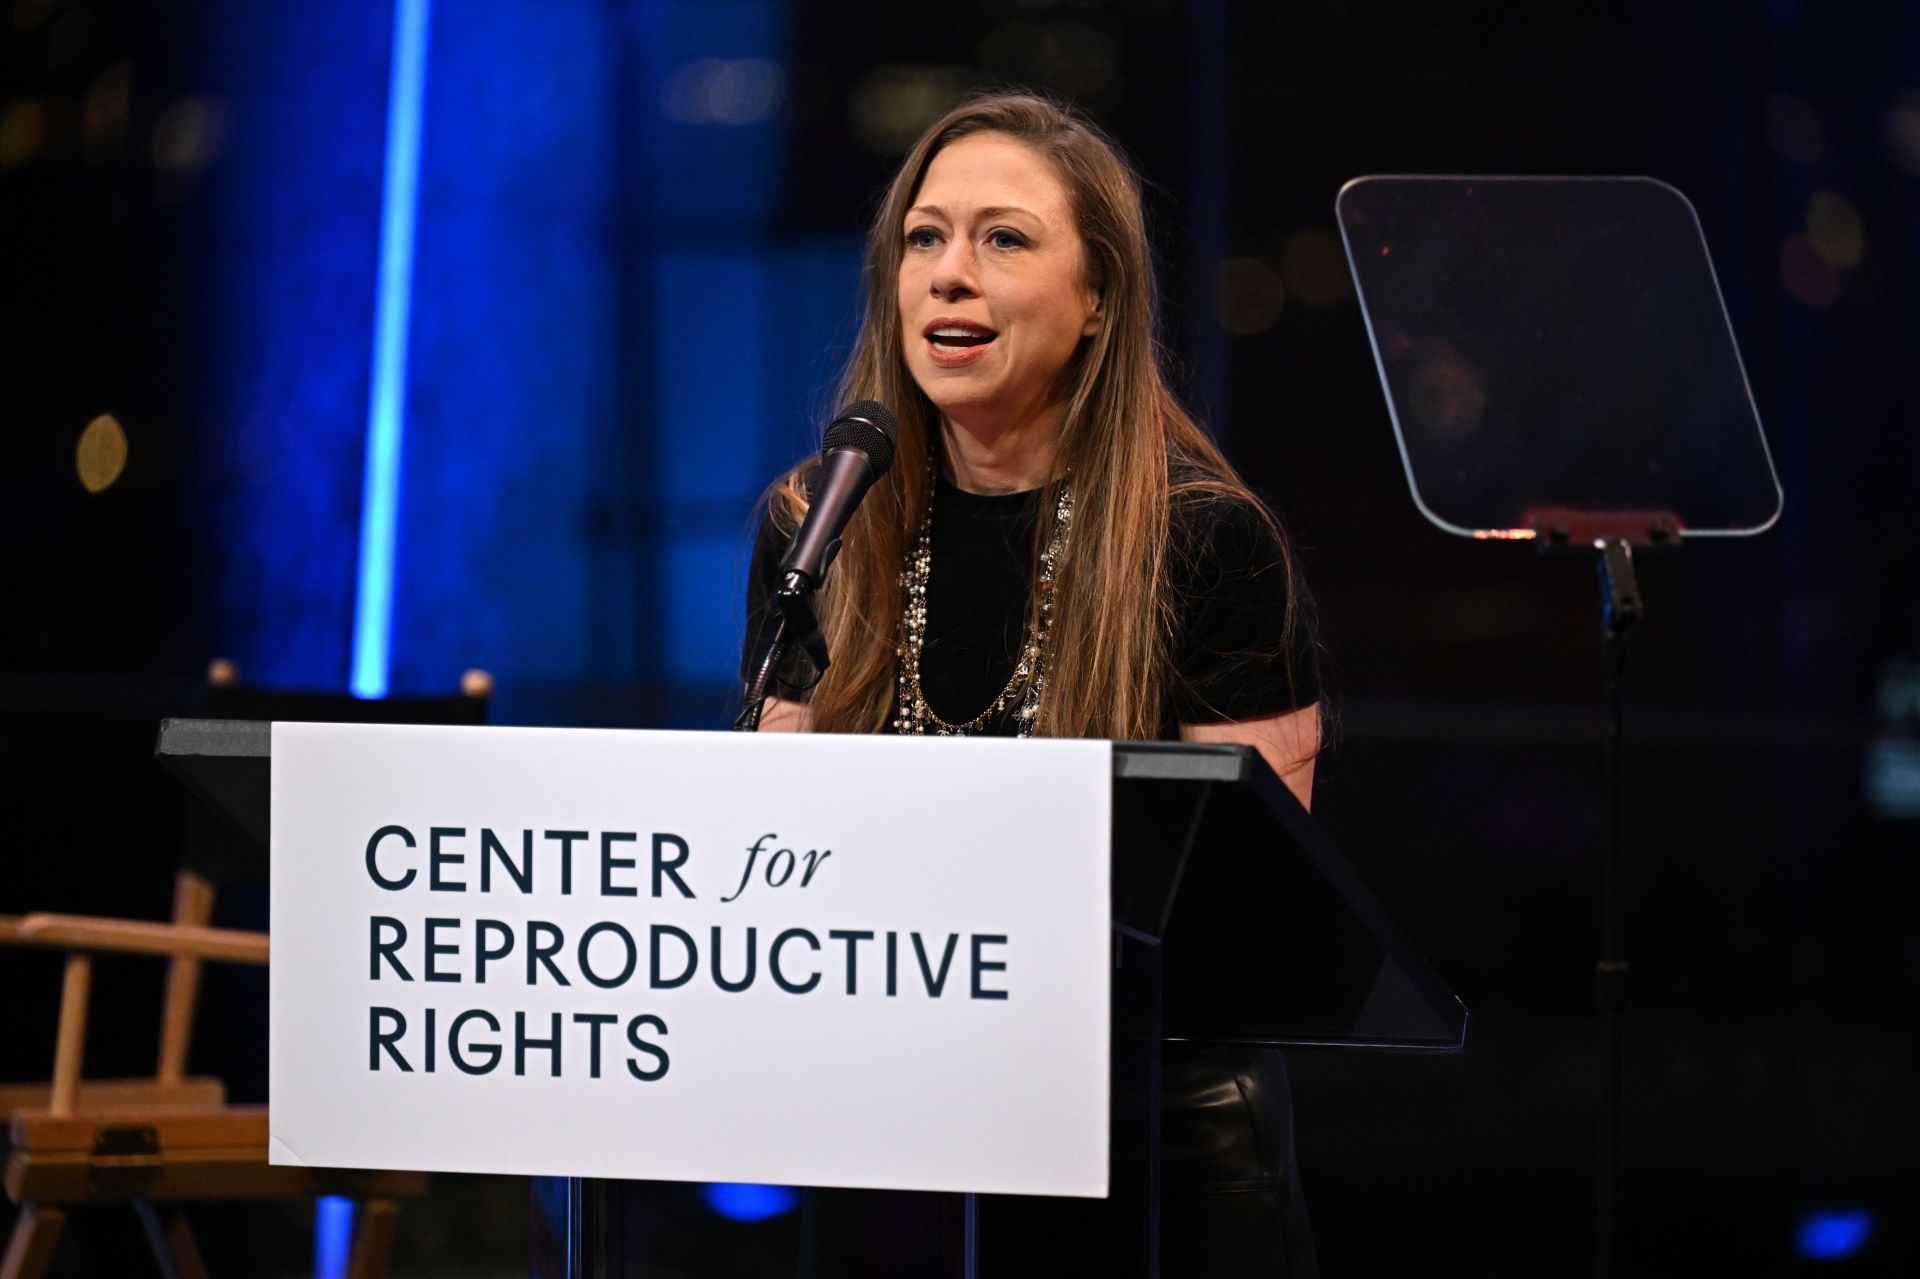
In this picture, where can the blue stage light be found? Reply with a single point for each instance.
(1833, 1235)
(332, 1236)
(739, 1201)
(393, 308)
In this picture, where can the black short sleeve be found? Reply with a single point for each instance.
(1244, 641)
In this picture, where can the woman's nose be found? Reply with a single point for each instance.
(953, 273)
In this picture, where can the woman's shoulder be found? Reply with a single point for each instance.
(1218, 526)
(1244, 641)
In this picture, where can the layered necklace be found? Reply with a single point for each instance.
(912, 714)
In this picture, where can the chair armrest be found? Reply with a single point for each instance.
(137, 937)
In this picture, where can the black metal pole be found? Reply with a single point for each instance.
(748, 721)
(1620, 609)
(1610, 992)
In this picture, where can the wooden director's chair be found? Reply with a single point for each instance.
(159, 1143)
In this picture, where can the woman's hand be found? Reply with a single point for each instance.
(1289, 742)
(785, 717)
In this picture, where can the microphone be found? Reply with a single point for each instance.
(856, 450)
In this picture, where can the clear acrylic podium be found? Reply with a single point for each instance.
(1234, 921)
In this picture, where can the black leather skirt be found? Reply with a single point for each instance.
(1230, 1200)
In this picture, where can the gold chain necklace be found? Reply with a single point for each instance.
(912, 714)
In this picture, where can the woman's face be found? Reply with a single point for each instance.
(993, 289)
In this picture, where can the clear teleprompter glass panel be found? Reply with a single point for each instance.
(1556, 345)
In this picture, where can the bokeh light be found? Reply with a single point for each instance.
(101, 455)
(1248, 295)
(103, 112)
(1833, 227)
(1827, 1235)
(28, 13)
(1806, 272)
(1892, 768)
(188, 136)
(740, 1201)
(22, 131)
(894, 103)
(1446, 398)
(726, 91)
(1315, 268)
(1891, 778)
(1076, 59)
(1902, 133)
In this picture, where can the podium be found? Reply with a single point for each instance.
(1233, 922)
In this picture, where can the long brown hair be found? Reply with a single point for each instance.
(1129, 446)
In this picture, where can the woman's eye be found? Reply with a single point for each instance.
(1004, 240)
(923, 238)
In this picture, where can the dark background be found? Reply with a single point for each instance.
(634, 280)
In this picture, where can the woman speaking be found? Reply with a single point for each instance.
(1059, 550)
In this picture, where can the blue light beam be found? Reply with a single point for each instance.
(332, 1236)
(392, 314)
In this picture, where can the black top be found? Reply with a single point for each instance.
(1232, 648)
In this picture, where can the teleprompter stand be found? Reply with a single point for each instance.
(1234, 922)
(1560, 369)
(1610, 541)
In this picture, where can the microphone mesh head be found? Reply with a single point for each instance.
(867, 426)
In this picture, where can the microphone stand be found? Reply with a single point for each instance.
(855, 451)
(748, 720)
(794, 624)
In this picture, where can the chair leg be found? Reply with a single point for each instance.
(30, 1248)
(373, 1241)
(174, 1248)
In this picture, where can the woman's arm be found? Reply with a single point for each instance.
(1288, 742)
(779, 716)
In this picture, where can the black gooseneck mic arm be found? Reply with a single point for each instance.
(856, 450)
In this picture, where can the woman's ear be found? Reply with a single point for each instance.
(1093, 281)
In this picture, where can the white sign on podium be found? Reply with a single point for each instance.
(812, 960)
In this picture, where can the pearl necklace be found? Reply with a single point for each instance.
(912, 714)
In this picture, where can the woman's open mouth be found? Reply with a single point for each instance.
(952, 343)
